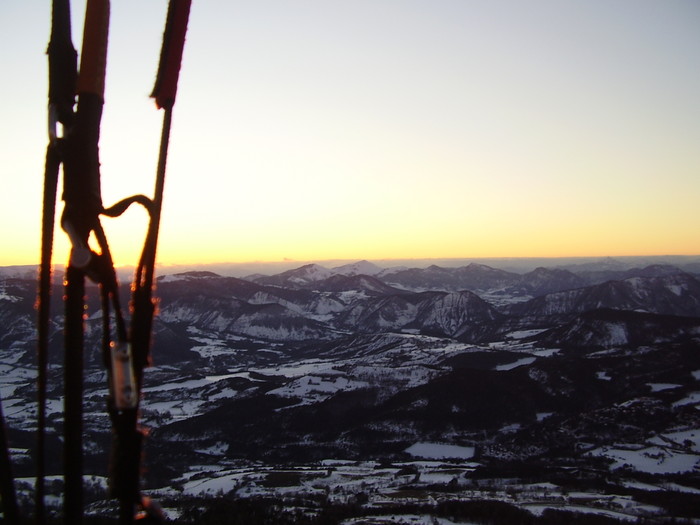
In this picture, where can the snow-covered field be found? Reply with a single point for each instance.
(654, 460)
(435, 467)
(413, 482)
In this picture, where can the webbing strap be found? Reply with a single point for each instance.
(164, 92)
(62, 79)
(165, 87)
(93, 54)
(44, 311)
(73, 401)
(83, 204)
(63, 58)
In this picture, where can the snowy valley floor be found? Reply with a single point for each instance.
(653, 480)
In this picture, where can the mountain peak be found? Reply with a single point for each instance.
(362, 267)
(298, 277)
(308, 273)
(188, 276)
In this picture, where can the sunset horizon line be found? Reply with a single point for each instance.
(334, 260)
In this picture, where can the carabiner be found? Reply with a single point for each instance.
(53, 124)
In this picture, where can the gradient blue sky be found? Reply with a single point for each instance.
(323, 129)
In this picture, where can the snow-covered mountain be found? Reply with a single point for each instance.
(309, 274)
(434, 313)
(542, 281)
(297, 277)
(474, 277)
(363, 284)
(608, 328)
(671, 294)
(554, 383)
(359, 268)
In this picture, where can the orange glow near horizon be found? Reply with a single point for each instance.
(198, 255)
(449, 130)
(523, 239)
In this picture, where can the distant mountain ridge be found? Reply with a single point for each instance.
(317, 303)
(474, 277)
(311, 273)
(667, 294)
(583, 378)
(518, 265)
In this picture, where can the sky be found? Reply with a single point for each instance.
(379, 129)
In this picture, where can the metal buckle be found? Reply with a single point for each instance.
(122, 379)
(53, 123)
(80, 254)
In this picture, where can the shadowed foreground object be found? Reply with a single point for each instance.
(124, 354)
